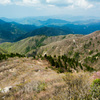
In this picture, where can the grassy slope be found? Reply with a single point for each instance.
(31, 44)
(31, 79)
(82, 44)
(86, 46)
(2, 50)
(58, 45)
(26, 73)
(22, 45)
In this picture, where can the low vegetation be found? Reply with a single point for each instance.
(6, 56)
(66, 64)
(34, 79)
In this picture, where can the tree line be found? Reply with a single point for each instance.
(64, 63)
(11, 55)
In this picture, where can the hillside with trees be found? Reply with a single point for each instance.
(9, 32)
(83, 48)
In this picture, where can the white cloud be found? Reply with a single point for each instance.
(59, 3)
(75, 3)
(5, 2)
(83, 4)
(26, 2)
(94, 0)
(30, 1)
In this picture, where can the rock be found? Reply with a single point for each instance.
(6, 89)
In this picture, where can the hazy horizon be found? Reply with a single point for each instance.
(29, 8)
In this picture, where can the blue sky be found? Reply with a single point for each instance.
(25, 8)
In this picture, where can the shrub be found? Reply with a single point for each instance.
(41, 87)
(60, 70)
(91, 52)
(76, 55)
(96, 50)
(95, 89)
(78, 86)
(96, 82)
(88, 68)
(91, 39)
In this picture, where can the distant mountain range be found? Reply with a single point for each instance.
(12, 31)
(33, 21)
(53, 30)
(47, 31)
(42, 21)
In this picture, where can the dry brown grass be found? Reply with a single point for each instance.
(32, 80)
(74, 44)
(29, 79)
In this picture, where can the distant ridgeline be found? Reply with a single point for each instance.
(12, 31)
